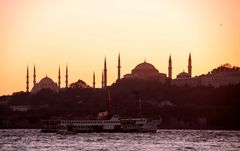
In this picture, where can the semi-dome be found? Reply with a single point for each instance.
(45, 83)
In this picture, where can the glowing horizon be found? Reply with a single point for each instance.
(53, 33)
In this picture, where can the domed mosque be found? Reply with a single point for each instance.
(48, 83)
(45, 83)
(146, 71)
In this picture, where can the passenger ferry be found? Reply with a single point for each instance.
(104, 123)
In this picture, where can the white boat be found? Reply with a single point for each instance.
(107, 123)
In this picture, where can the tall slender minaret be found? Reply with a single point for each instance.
(59, 77)
(66, 77)
(105, 73)
(170, 67)
(190, 65)
(27, 80)
(119, 67)
(34, 75)
(94, 82)
(102, 79)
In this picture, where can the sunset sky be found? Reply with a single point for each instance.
(81, 33)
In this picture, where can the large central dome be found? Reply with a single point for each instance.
(46, 81)
(145, 71)
(145, 67)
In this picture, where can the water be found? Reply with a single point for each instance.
(173, 140)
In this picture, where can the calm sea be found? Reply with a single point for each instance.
(173, 140)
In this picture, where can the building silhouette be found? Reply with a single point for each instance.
(105, 73)
(223, 75)
(190, 65)
(94, 80)
(170, 67)
(146, 71)
(34, 75)
(27, 80)
(66, 81)
(59, 77)
(119, 67)
(45, 83)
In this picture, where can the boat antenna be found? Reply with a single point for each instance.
(109, 102)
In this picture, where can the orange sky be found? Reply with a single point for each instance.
(80, 33)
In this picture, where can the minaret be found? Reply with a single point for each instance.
(102, 80)
(34, 75)
(94, 82)
(170, 67)
(59, 77)
(27, 82)
(66, 77)
(190, 65)
(119, 67)
(105, 73)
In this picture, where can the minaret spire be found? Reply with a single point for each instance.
(170, 67)
(66, 82)
(102, 79)
(94, 82)
(27, 80)
(105, 73)
(190, 65)
(59, 77)
(119, 67)
(34, 75)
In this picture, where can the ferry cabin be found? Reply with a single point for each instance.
(93, 125)
(113, 124)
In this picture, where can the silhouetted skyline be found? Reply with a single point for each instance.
(80, 33)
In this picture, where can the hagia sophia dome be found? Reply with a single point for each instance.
(146, 71)
(183, 75)
(145, 67)
(45, 83)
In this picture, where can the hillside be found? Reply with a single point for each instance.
(178, 107)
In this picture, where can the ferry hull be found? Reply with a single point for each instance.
(112, 125)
